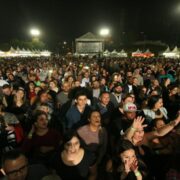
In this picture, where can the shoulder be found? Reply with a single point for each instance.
(37, 171)
(82, 129)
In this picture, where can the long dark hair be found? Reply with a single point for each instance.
(68, 136)
(153, 100)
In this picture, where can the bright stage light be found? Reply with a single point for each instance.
(35, 32)
(104, 32)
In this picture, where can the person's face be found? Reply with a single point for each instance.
(137, 71)
(7, 91)
(70, 79)
(20, 93)
(95, 84)
(31, 86)
(44, 97)
(103, 81)
(77, 84)
(118, 89)
(144, 90)
(43, 85)
(128, 99)
(154, 93)
(133, 98)
(37, 89)
(11, 77)
(16, 169)
(129, 74)
(86, 75)
(130, 115)
(160, 124)
(116, 78)
(159, 104)
(95, 119)
(128, 156)
(72, 146)
(81, 101)
(130, 80)
(41, 122)
(66, 87)
(155, 83)
(32, 78)
(52, 85)
(138, 135)
(105, 98)
(174, 91)
(135, 81)
(44, 109)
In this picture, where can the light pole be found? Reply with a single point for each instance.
(35, 33)
(105, 33)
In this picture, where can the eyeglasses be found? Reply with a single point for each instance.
(15, 172)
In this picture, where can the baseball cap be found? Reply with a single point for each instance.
(129, 107)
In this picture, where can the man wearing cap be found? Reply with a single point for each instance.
(116, 95)
(124, 121)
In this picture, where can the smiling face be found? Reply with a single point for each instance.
(72, 146)
(138, 135)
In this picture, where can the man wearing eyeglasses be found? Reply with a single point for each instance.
(15, 167)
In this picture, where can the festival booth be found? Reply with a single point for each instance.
(146, 54)
(24, 53)
(89, 44)
(2, 54)
(137, 53)
(114, 53)
(106, 53)
(175, 53)
(122, 53)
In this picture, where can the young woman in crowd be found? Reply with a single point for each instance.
(41, 142)
(73, 161)
(155, 109)
(94, 137)
(20, 107)
(125, 164)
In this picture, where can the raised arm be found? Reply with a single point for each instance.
(164, 130)
(137, 124)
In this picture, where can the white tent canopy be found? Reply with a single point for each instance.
(167, 50)
(24, 53)
(175, 50)
(175, 53)
(122, 53)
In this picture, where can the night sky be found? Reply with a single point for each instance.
(65, 20)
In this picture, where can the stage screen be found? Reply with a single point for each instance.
(89, 47)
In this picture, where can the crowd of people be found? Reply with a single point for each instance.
(89, 118)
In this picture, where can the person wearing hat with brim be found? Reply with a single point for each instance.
(116, 95)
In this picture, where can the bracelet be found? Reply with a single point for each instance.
(137, 173)
(133, 129)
